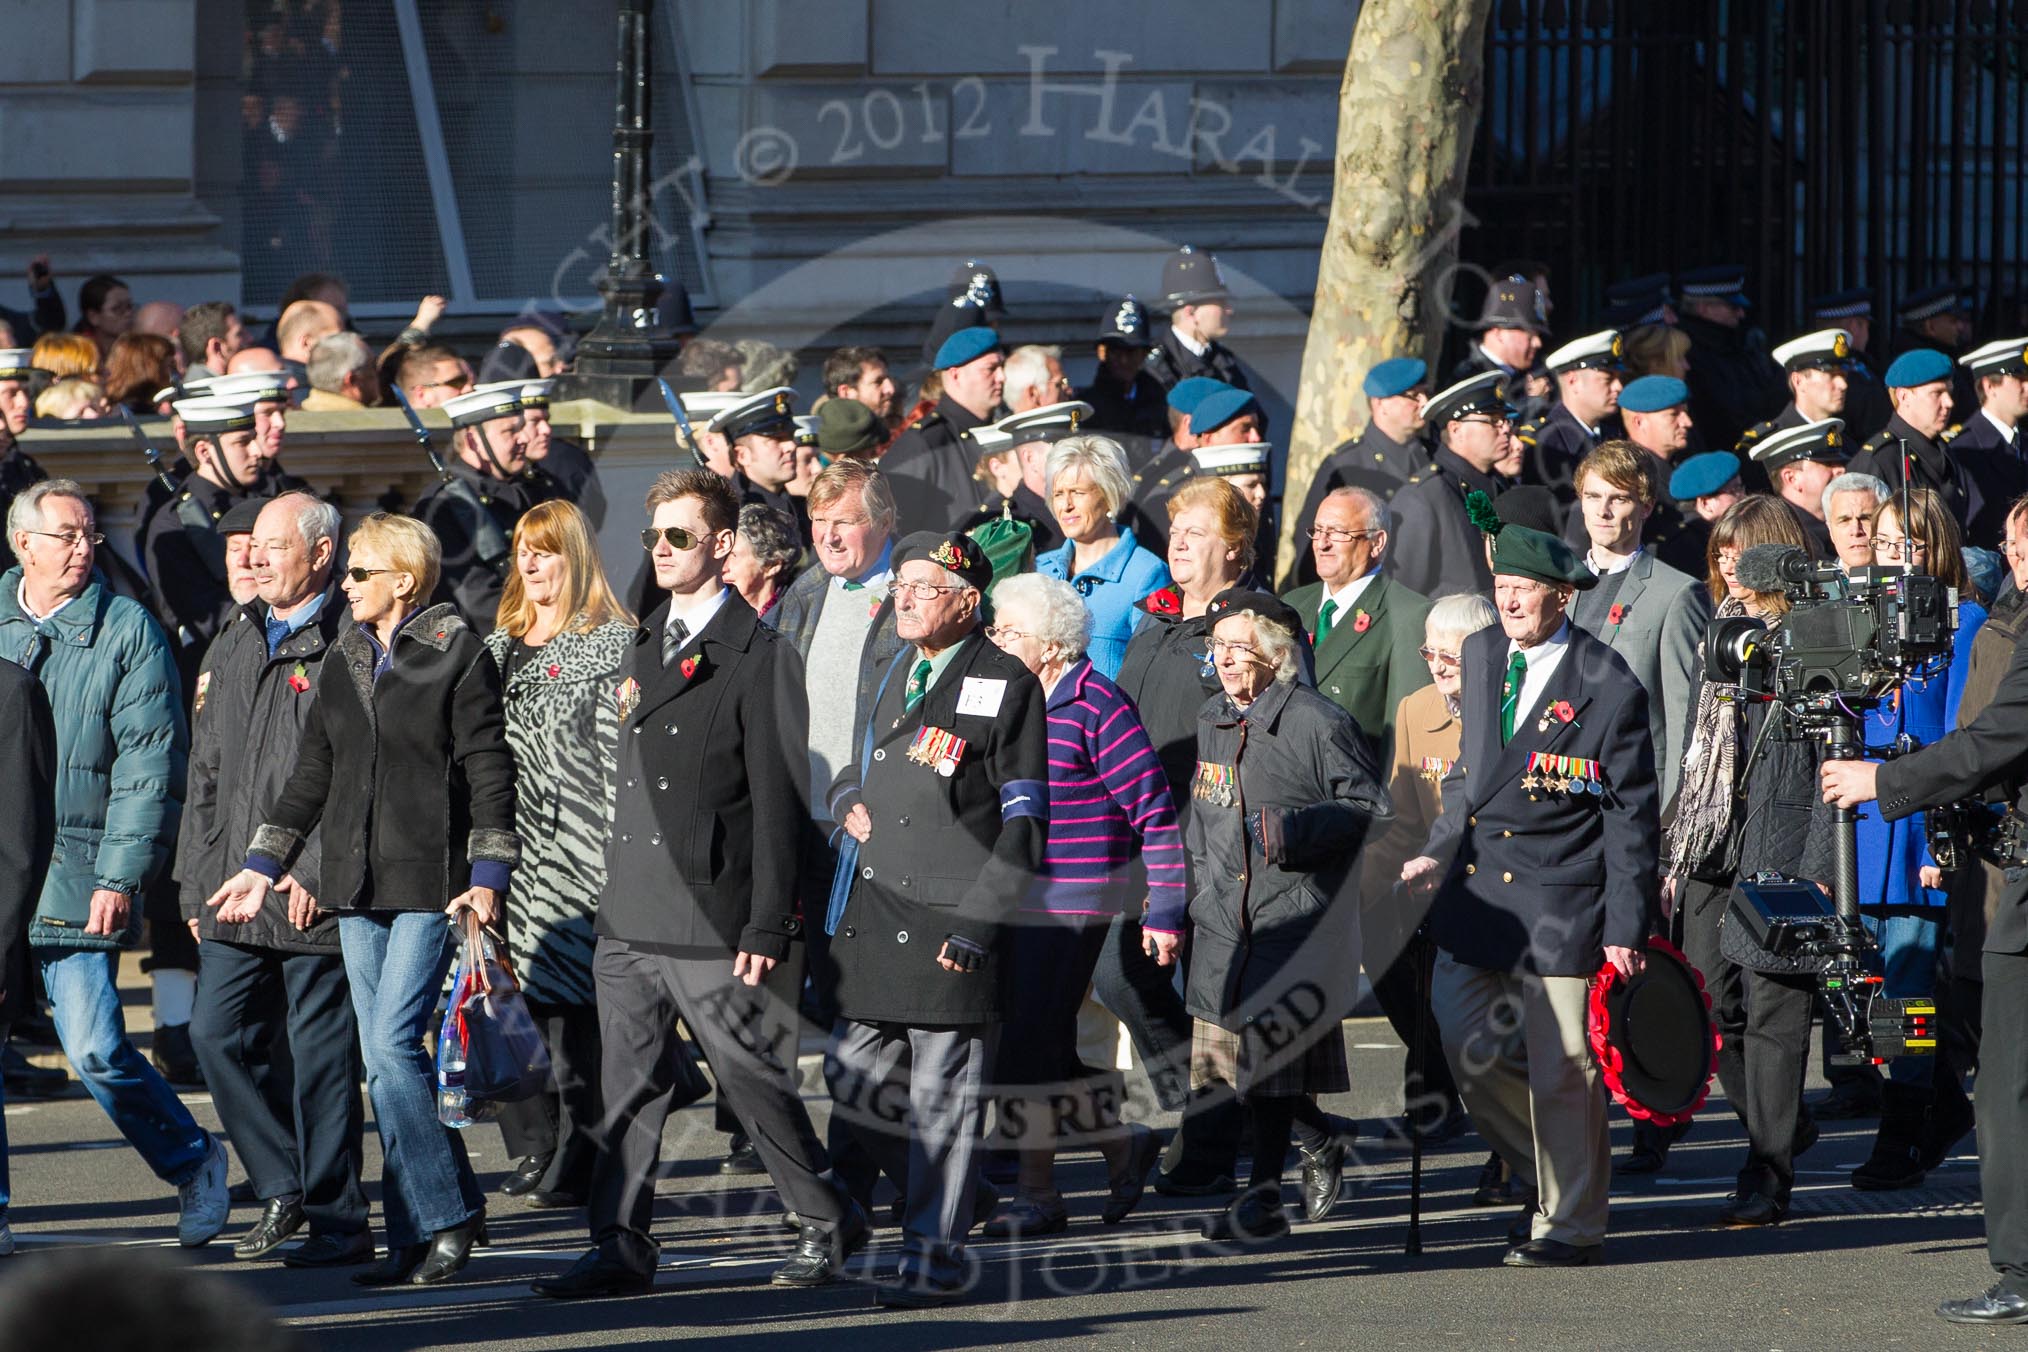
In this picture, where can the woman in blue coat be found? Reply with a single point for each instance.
(1088, 485)
(1901, 888)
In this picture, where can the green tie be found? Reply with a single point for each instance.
(855, 586)
(1324, 618)
(1510, 694)
(917, 687)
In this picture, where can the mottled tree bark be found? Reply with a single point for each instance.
(1407, 112)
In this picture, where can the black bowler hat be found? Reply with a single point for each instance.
(953, 551)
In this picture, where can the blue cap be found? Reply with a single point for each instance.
(966, 345)
(1396, 375)
(1187, 393)
(1218, 408)
(1703, 474)
(1652, 394)
(1917, 366)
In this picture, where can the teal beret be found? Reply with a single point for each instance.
(1702, 475)
(1652, 394)
(1218, 408)
(1396, 375)
(1917, 366)
(966, 345)
(1186, 393)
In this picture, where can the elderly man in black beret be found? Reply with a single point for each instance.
(1542, 866)
(947, 807)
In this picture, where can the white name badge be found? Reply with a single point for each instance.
(980, 696)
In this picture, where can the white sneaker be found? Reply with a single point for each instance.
(6, 1240)
(205, 1201)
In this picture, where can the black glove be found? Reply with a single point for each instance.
(967, 955)
(1264, 829)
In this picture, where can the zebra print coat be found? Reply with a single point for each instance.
(563, 725)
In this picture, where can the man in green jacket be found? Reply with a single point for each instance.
(120, 750)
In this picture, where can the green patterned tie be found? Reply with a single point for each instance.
(917, 687)
(1510, 694)
(1324, 619)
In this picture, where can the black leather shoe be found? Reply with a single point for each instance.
(1742, 1210)
(1651, 1148)
(176, 1058)
(1323, 1176)
(1254, 1219)
(280, 1219)
(909, 1293)
(820, 1254)
(323, 1251)
(593, 1275)
(1554, 1253)
(26, 1080)
(560, 1197)
(1996, 1306)
(1126, 1191)
(1522, 1228)
(1497, 1185)
(1194, 1182)
(449, 1251)
(394, 1269)
(742, 1158)
(525, 1176)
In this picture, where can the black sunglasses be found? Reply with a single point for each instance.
(677, 537)
(358, 574)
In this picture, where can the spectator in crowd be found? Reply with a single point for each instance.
(140, 364)
(275, 979)
(1284, 792)
(412, 694)
(72, 399)
(1426, 740)
(343, 375)
(764, 366)
(1850, 501)
(121, 746)
(105, 311)
(763, 558)
(1034, 378)
(1088, 486)
(860, 373)
(710, 366)
(560, 642)
(207, 337)
(45, 313)
(66, 355)
(302, 326)
(1108, 805)
(17, 404)
(431, 376)
(539, 342)
(1657, 350)
(27, 843)
(160, 317)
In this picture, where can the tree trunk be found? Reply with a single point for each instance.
(1407, 112)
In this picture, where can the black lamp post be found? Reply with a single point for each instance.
(630, 345)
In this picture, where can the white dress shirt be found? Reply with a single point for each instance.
(697, 616)
(1347, 600)
(1543, 660)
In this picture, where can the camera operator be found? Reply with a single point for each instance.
(1924, 1109)
(1990, 752)
(1737, 814)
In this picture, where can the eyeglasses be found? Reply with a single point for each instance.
(72, 538)
(1245, 652)
(1897, 547)
(358, 574)
(1337, 535)
(677, 537)
(1728, 558)
(924, 591)
(1000, 633)
(1487, 422)
(1435, 655)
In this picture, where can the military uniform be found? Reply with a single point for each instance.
(18, 471)
(1134, 415)
(930, 467)
(475, 521)
(1147, 509)
(1434, 549)
(1023, 506)
(1556, 443)
(1752, 476)
(1976, 488)
(1732, 385)
(1170, 362)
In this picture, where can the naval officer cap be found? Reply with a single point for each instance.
(1652, 394)
(1601, 351)
(1395, 376)
(1917, 366)
(965, 346)
(484, 404)
(1702, 475)
(1220, 407)
(708, 404)
(537, 393)
(1824, 441)
(806, 429)
(1638, 301)
(1523, 551)
(2004, 357)
(1051, 422)
(209, 416)
(1126, 325)
(771, 411)
(1824, 350)
(1482, 393)
(1225, 461)
(953, 551)
(18, 363)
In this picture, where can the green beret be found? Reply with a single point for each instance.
(1522, 551)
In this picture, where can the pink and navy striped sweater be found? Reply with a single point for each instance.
(1108, 800)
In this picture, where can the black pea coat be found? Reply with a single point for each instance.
(1434, 549)
(708, 814)
(27, 829)
(930, 469)
(1538, 879)
(949, 854)
(410, 776)
(1732, 385)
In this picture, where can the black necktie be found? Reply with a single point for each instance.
(674, 635)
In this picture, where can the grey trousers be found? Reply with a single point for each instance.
(2003, 1118)
(914, 1097)
(748, 1036)
(1518, 1050)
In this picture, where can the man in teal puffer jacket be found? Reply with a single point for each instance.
(120, 751)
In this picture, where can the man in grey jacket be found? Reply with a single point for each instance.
(277, 978)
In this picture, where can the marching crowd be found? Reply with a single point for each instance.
(925, 720)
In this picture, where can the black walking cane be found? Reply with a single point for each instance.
(1417, 1077)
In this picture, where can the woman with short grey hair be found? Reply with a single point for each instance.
(763, 557)
(1088, 486)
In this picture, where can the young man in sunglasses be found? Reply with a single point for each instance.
(474, 508)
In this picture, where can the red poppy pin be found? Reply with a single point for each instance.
(691, 666)
(554, 671)
(1563, 711)
(299, 679)
(1616, 614)
(1361, 621)
(1163, 602)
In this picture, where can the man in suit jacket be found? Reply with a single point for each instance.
(27, 838)
(1542, 863)
(698, 918)
(947, 814)
(1649, 613)
(1365, 627)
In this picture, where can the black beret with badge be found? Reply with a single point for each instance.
(953, 552)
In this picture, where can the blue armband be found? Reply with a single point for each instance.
(1024, 798)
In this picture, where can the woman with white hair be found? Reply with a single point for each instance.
(1284, 793)
(1088, 486)
(1108, 805)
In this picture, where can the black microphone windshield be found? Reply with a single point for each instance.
(1770, 567)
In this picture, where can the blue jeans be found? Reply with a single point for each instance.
(396, 964)
(93, 1031)
(1908, 952)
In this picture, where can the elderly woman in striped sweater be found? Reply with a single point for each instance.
(1108, 804)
